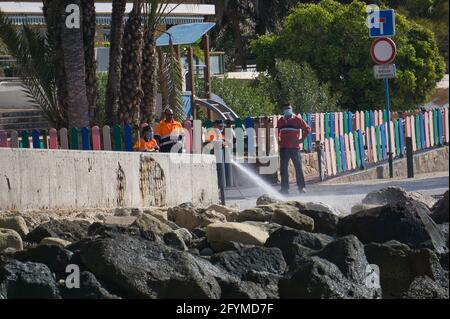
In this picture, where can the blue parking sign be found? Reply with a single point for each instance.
(381, 23)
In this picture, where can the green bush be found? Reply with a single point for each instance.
(334, 40)
(244, 97)
(298, 84)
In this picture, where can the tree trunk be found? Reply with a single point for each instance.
(74, 67)
(162, 79)
(149, 77)
(112, 89)
(89, 25)
(130, 84)
(237, 33)
(54, 19)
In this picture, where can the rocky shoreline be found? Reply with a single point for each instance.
(274, 250)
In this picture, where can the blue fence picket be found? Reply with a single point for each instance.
(310, 136)
(417, 127)
(128, 138)
(440, 128)
(85, 140)
(350, 122)
(249, 122)
(332, 135)
(36, 139)
(361, 149)
(371, 119)
(343, 154)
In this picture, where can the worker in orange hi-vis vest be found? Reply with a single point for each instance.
(289, 127)
(169, 134)
(147, 143)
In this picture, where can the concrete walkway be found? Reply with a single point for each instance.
(345, 196)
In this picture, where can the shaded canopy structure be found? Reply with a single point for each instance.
(188, 35)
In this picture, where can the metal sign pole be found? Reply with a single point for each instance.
(388, 113)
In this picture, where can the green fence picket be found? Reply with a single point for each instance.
(117, 138)
(74, 140)
(25, 139)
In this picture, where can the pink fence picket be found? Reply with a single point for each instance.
(333, 157)
(408, 127)
(322, 127)
(328, 157)
(357, 121)
(367, 143)
(431, 127)
(96, 141)
(373, 138)
(446, 126)
(348, 156)
(53, 143)
(427, 130)
(376, 118)
(413, 132)
(341, 124)
(352, 150)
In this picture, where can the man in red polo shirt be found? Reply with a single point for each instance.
(289, 127)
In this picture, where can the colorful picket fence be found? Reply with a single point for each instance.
(350, 141)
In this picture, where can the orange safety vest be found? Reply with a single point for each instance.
(168, 133)
(143, 144)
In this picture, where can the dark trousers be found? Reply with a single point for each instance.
(293, 154)
(168, 149)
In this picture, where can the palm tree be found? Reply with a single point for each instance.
(74, 67)
(89, 26)
(37, 70)
(155, 11)
(113, 86)
(130, 84)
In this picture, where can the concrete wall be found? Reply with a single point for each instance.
(44, 179)
(435, 160)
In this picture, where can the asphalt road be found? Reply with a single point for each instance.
(344, 196)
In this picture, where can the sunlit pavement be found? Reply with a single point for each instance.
(344, 196)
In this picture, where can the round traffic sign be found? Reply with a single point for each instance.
(383, 51)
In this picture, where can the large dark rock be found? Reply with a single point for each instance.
(324, 222)
(54, 257)
(347, 253)
(440, 211)
(90, 288)
(135, 267)
(294, 243)
(243, 290)
(317, 278)
(399, 265)
(425, 288)
(269, 282)
(407, 222)
(445, 231)
(65, 229)
(394, 194)
(27, 281)
(259, 259)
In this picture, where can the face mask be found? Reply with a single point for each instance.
(149, 136)
(288, 113)
(169, 118)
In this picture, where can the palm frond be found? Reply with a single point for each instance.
(34, 55)
(174, 82)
